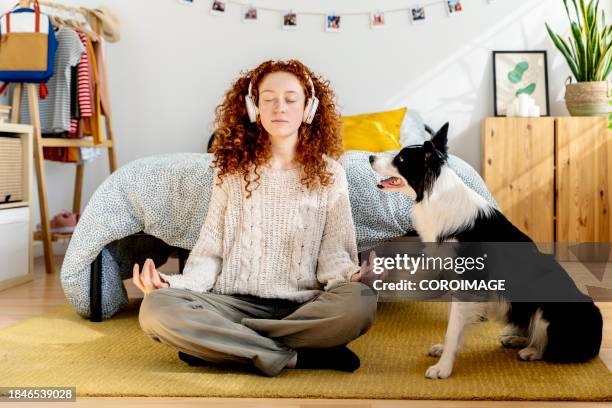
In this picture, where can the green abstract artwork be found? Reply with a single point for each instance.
(529, 89)
(516, 75)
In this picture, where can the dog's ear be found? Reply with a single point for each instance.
(440, 140)
(429, 149)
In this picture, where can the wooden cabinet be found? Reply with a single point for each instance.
(551, 176)
(518, 167)
(584, 180)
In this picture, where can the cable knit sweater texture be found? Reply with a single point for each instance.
(285, 241)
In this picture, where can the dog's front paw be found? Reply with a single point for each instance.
(439, 371)
(436, 350)
(529, 354)
(512, 341)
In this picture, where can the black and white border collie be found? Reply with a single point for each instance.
(448, 210)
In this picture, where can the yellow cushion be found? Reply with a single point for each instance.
(374, 132)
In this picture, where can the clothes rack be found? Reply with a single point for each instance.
(45, 235)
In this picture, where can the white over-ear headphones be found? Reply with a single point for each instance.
(310, 108)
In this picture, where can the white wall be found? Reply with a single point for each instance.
(174, 63)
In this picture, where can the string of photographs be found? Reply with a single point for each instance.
(289, 20)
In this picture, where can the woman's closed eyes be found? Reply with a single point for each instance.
(286, 100)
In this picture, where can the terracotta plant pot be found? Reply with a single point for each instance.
(588, 98)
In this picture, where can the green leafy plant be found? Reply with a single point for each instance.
(588, 50)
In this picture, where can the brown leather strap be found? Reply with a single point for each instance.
(37, 13)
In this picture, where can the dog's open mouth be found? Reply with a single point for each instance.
(391, 182)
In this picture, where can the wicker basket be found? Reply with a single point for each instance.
(11, 169)
(588, 98)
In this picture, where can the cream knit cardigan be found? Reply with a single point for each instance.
(285, 241)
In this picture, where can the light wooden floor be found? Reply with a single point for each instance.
(45, 292)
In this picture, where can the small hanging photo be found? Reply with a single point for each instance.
(332, 23)
(218, 8)
(289, 21)
(249, 15)
(454, 7)
(417, 15)
(377, 19)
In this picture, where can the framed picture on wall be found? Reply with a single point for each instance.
(517, 72)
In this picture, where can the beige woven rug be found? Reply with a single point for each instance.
(115, 358)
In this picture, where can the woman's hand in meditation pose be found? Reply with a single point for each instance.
(366, 274)
(149, 280)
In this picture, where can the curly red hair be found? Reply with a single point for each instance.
(241, 146)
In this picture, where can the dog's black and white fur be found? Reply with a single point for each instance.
(447, 210)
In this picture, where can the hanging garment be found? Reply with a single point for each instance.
(55, 108)
(85, 96)
(95, 125)
(61, 154)
(82, 89)
(84, 93)
(74, 104)
(102, 76)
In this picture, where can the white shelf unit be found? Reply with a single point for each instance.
(16, 254)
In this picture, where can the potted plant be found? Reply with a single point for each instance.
(588, 52)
